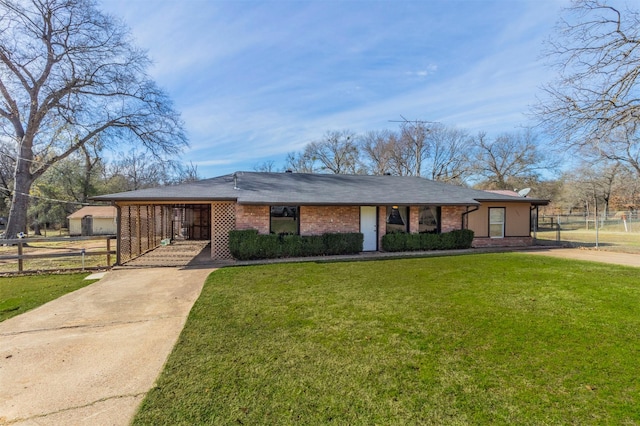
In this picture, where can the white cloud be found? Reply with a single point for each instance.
(256, 80)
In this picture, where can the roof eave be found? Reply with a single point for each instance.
(353, 203)
(175, 200)
(533, 201)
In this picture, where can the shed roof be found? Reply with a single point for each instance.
(95, 211)
(317, 189)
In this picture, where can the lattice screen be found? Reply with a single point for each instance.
(142, 228)
(124, 244)
(224, 220)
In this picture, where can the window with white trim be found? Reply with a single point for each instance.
(496, 222)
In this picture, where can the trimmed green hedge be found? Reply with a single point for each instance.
(459, 239)
(249, 245)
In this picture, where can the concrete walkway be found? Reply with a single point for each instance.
(90, 356)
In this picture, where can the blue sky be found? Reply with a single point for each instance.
(255, 80)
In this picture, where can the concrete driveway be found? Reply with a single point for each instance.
(614, 258)
(90, 356)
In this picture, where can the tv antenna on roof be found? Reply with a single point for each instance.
(415, 122)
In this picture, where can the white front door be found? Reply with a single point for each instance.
(369, 227)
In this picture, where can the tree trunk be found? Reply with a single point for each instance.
(20, 201)
(17, 215)
(36, 228)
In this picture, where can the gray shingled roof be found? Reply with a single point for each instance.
(316, 189)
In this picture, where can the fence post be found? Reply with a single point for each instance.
(20, 261)
(108, 252)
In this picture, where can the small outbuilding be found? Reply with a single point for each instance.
(93, 220)
(313, 204)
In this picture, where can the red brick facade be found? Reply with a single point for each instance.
(253, 217)
(502, 242)
(314, 220)
(451, 218)
(414, 220)
(382, 224)
(318, 220)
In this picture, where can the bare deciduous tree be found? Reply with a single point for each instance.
(413, 135)
(376, 152)
(437, 152)
(401, 156)
(266, 166)
(182, 172)
(626, 195)
(140, 170)
(387, 152)
(508, 160)
(593, 183)
(300, 162)
(337, 152)
(448, 159)
(68, 75)
(594, 105)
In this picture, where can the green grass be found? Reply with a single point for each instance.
(628, 242)
(21, 294)
(478, 339)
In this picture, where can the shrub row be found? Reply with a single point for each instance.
(459, 239)
(249, 245)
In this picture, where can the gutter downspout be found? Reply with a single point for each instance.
(534, 225)
(464, 216)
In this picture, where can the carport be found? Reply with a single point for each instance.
(143, 227)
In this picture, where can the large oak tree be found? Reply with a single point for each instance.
(70, 74)
(594, 104)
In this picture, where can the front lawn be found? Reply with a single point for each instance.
(628, 242)
(23, 293)
(479, 339)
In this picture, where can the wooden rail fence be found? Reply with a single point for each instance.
(20, 244)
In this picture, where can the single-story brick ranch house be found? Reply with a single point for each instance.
(313, 204)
